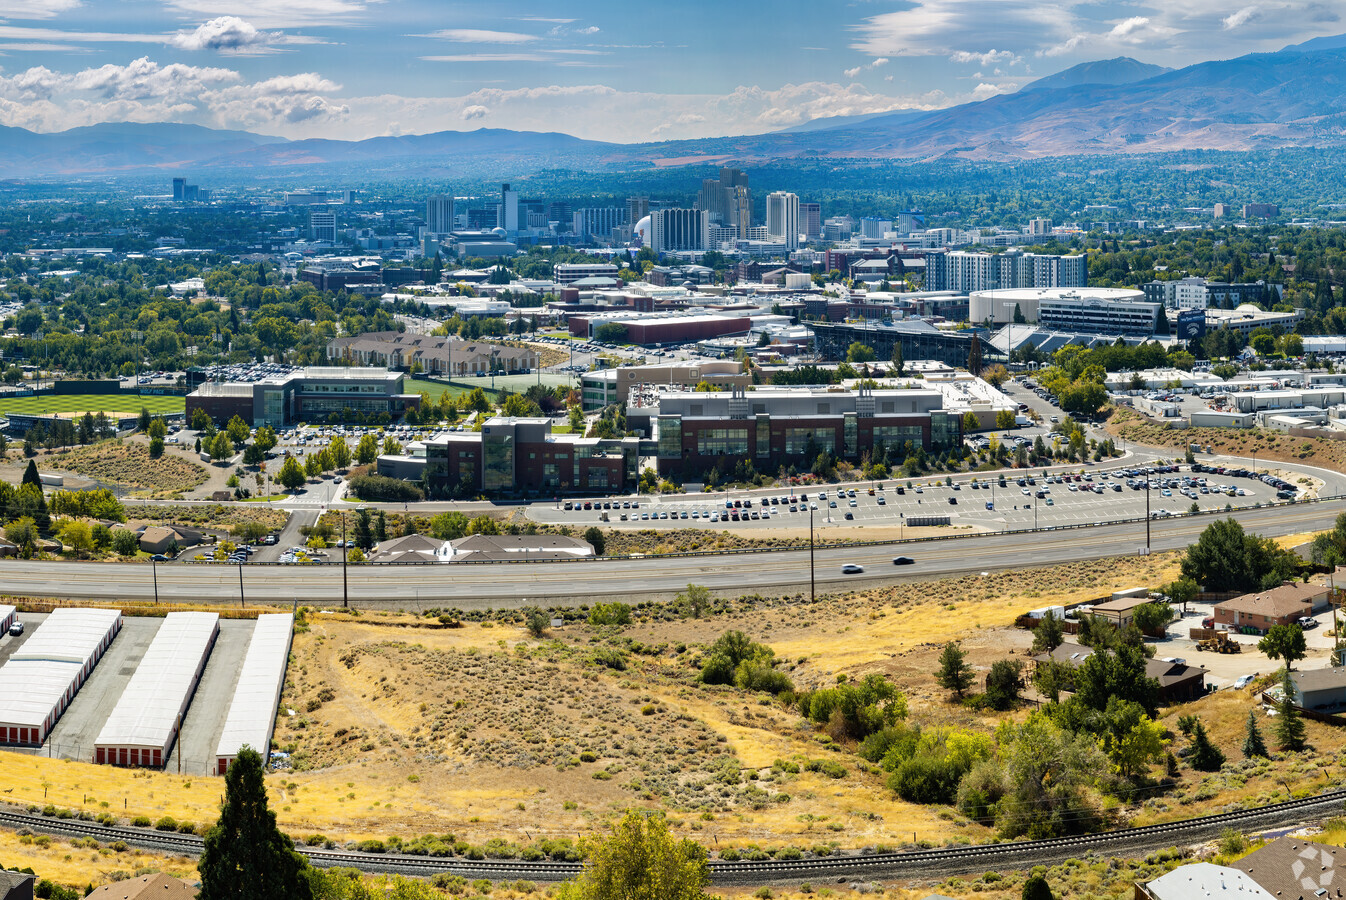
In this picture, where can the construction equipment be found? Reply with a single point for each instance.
(1219, 642)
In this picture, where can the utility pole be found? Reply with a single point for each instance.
(154, 568)
(240, 584)
(1147, 512)
(345, 585)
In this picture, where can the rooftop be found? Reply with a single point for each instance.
(1286, 600)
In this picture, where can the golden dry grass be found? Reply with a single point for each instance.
(63, 862)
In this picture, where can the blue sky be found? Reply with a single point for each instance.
(604, 70)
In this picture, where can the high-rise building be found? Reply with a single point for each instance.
(679, 229)
(439, 214)
(1039, 226)
(727, 200)
(782, 218)
(637, 208)
(322, 224)
(598, 221)
(811, 219)
(179, 189)
(968, 271)
(508, 217)
(874, 228)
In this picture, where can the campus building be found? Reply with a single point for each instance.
(313, 394)
(608, 386)
(696, 432)
(918, 340)
(445, 356)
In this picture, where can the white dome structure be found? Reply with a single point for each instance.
(642, 230)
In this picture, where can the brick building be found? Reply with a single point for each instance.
(1284, 605)
(313, 394)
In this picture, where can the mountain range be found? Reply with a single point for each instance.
(1291, 98)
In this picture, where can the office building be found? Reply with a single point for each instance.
(322, 225)
(305, 198)
(313, 394)
(338, 273)
(637, 208)
(179, 189)
(508, 212)
(1039, 226)
(1198, 293)
(776, 428)
(598, 222)
(447, 356)
(654, 329)
(998, 306)
(439, 214)
(1087, 311)
(874, 228)
(727, 199)
(909, 221)
(1261, 210)
(1221, 210)
(1249, 318)
(917, 338)
(608, 386)
(811, 220)
(569, 273)
(679, 229)
(782, 219)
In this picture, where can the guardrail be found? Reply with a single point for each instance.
(789, 548)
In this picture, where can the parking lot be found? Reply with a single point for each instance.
(1023, 500)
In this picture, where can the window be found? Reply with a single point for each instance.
(850, 435)
(670, 437)
(814, 440)
(896, 436)
(497, 470)
(763, 436)
(722, 442)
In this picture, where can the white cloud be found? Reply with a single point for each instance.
(228, 34)
(592, 29)
(851, 73)
(26, 33)
(985, 89)
(487, 57)
(989, 58)
(37, 9)
(474, 112)
(945, 27)
(1240, 18)
(481, 36)
(274, 14)
(1065, 48)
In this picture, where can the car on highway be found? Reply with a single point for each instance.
(159, 557)
(903, 561)
(15, 628)
(852, 569)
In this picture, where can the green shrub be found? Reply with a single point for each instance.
(829, 767)
(167, 823)
(141, 821)
(373, 845)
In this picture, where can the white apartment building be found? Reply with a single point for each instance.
(782, 218)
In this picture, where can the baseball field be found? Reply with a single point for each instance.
(78, 404)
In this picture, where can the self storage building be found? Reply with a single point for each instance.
(145, 722)
(43, 675)
(252, 713)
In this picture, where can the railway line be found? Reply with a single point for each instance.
(933, 863)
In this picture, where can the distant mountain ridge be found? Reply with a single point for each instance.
(1292, 98)
(1122, 70)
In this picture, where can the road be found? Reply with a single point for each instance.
(468, 586)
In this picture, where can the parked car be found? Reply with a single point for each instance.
(15, 628)
(1243, 681)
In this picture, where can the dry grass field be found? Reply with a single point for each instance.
(129, 463)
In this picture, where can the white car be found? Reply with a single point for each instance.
(1243, 681)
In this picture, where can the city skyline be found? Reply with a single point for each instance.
(353, 69)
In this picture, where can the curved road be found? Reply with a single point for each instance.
(468, 586)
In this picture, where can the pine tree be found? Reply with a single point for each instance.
(245, 856)
(380, 528)
(30, 475)
(1205, 756)
(1253, 745)
(1036, 888)
(1290, 732)
(974, 356)
(954, 673)
(364, 532)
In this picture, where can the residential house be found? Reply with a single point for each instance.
(1283, 605)
(1178, 682)
(1319, 688)
(159, 538)
(408, 549)
(1202, 881)
(1293, 867)
(1120, 612)
(16, 885)
(146, 887)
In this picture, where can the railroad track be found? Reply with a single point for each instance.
(933, 863)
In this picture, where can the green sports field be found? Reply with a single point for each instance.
(78, 404)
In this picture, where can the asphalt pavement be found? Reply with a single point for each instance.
(576, 582)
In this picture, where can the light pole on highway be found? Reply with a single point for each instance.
(1147, 512)
(813, 590)
(345, 585)
(154, 568)
(240, 584)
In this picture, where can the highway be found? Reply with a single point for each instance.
(476, 586)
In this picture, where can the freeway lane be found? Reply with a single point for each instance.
(469, 586)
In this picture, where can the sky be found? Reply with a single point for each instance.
(602, 70)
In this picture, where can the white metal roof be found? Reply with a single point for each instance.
(31, 689)
(158, 692)
(252, 713)
(6, 612)
(69, 635)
